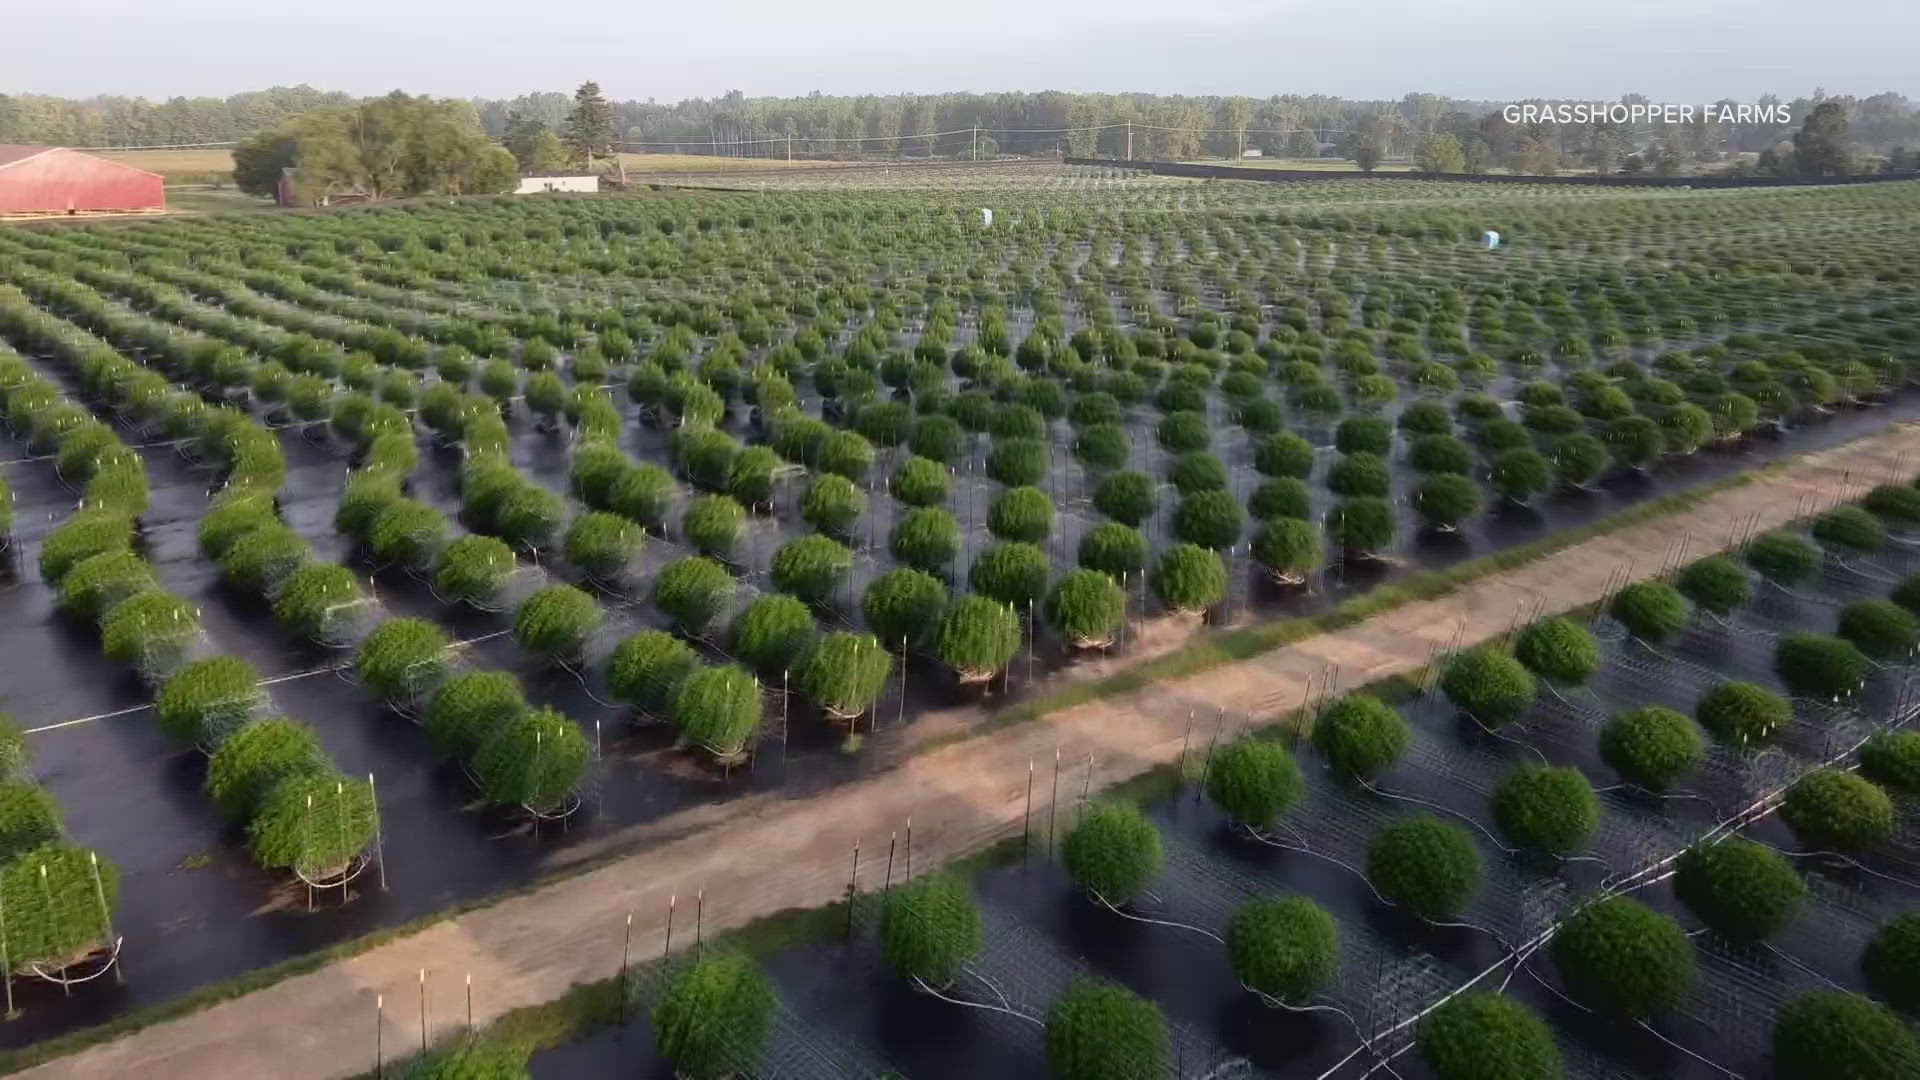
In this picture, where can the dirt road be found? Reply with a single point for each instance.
(754, 857)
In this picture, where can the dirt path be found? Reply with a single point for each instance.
(757, 856)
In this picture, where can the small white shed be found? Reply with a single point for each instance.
(541, 183)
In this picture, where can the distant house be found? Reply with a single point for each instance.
(1252, 152)
(541, 183)
(55, 180)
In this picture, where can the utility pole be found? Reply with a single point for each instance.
(1129, 140)
(976, 142)
(789, 147)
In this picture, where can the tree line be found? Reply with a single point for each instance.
(1154, 126)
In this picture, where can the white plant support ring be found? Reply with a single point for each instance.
(93, 965)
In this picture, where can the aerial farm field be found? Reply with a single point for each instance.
(369, 564)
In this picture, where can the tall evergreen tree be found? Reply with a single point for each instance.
(1820, 147)
(590, 129)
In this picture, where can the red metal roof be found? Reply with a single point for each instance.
(12, 152)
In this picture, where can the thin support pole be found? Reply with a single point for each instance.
(423, 1010)
(667, 950)
(853, 888)
(893, 845)
(1053, 800)
(626, 958)
(1026, 840)
(699, 922)
(379, 1034)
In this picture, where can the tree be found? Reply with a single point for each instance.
(1253, 781)
(1819, 666)
(257, 757)
(1827, 1033)
(1836, 810)
(1488, 685)
(555, 622)
(977, 636)
(1360, 736)
(590, 126)
(470, 707)
(1652, 610)
(810, 567)
(713, 1019)
(1891, 958)
(1625, 957)
(1651, 746)
(1892, 759)
(57, 909)
(1086, 607)
(1820, 146)
(1189, 578)
(1283, 947)
(843, 673)
(930, 928)
(1487, 1036)
(1112, 852)
(1744, 891)
(535, 760)
(1881, 629)
(208, 699)
(1102, 1031)
(386, 147)
(1010, 573)
(312, 822)
(1288, 548)
(1557, 649)
(718, 708)
(1441, 153)
(1425, 865)
(693, 591)
(1715, 583)
(533, 144)
(401, 659)
(1546, 809)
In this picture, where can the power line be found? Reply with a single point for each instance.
(161, 146)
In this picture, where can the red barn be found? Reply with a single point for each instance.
(54, 180)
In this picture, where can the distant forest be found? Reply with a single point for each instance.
(965, 124)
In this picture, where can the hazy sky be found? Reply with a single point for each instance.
(1671, 50)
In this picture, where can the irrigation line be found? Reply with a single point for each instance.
(1201, 930)
(1469, 819)
(922, 984)
(143, 708)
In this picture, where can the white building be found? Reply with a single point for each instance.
(541, 183)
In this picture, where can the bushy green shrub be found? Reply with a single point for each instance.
(713, 524)
(1288, 548)
(1783, 558)
(1113, 851)
(1363, 435)
(29, 817)
(98, 582)
(1101, 1031)
(901, 606)
(1360, 475)
(1652, 610)
(771, 632)
(843, 673)
(258, 756)
(936, 438)
(1890, 960)
(1425, 865)
(407, 533)
(1651, 746)
(692, 592)
(845, 453)
(1819, 666)
(1579, 459)
(832, 504)
(705, 456)
(1283, 947)
(1253, 781)
(471, 1060)
(714, 1017)
(1892, 759)
(473, 569)
(1557, 649)
(262, 558)
(1011, 573)
(1197, 471)
(1487, 1036)
(602, 544)
(1489, 685)
(1742, 890)
(1741, 713)
(1850, 528)
(1126, 497)
(1623, 957)
(919, 482)
(926, 538)
(1189, 578)
(1894, 504)
(1445, 500)
(535, 760)
(555, 622)
(642, 494)
(1022, 514)
(718, 708)
(1362, 527)
(1519, 474)
(150, 630)
(1101, 447)
(233, 517)
(1837, 810)
(976, 637)
(930, 928)
(1440, 455)
(527, 516)
(59, 902)
(1017, 462)
(208, 699)
(810, 567)
(1546, 809)
(1360, 736)
(1113, 549)
(1715, 583)
(85, 534)
(645, 670)
(1827, 1034)
(469, 707)
(1284, 454)
(402, 659)
(1881, 629)
(1180, 432)
(1086, 607)
(1209, 519)
(1280, 497)
(312, 822)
